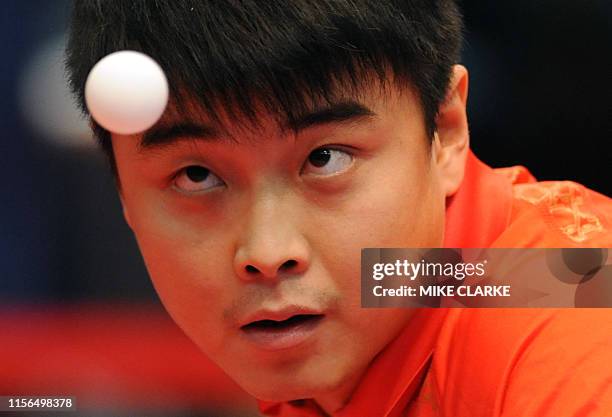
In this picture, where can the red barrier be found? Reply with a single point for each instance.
(109, 356)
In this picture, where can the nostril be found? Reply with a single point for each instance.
(289, 264)
(251, 269)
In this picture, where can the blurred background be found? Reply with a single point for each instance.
(78, 315)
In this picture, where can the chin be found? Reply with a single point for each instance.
(313, 382)
(280, 393)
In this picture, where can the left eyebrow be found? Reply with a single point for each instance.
(345, 111)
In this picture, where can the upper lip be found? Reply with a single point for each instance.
(279, 314)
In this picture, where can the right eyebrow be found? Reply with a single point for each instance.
(164, 135)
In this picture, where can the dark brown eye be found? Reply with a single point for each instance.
(327, 161)
(320, 157)
(196, 178)
(196, 173)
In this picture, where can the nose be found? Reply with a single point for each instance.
(271, 245)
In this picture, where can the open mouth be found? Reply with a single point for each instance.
(292, 322)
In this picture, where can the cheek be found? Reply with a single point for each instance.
(401, 214)
(401, 203)
(189, 272)
(405, 209)
(396, 207)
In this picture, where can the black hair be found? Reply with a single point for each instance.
(280, 53)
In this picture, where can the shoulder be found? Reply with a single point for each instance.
(506, 362)
(555, 214)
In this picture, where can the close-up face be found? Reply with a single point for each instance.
(252, 236)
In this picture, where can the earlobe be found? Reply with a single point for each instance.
(451, 141)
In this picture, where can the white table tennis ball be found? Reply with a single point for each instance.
(126, 92)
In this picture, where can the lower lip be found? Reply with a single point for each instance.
(278, 339)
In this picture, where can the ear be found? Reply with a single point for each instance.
(451, 142)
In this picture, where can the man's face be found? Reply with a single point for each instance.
(253, 243)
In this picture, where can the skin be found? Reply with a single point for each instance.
(268, 205)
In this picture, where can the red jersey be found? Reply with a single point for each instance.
(497, 362)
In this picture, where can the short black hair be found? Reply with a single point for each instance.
(280, 53)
